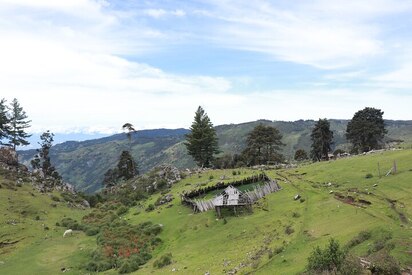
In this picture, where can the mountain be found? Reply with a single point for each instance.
(84, 163)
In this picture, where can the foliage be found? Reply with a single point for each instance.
(201, 143)
(366, 130)
(360, 238)
(321, 137)
(228, 161)
(4, 121)
(329, 259)
(126, 169)
(164, 260)
(42, 159)
(385, 264)
(263, 145)
(18, 124)
(300, 155)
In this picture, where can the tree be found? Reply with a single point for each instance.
(300, 155)
(4, 121)
(366, 130)
(263, 145)
(130, 129)
(202, 143)
(42, 158)
(321, 137)
(127, 167)
(18, 124)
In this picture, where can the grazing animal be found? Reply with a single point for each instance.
(67, 232)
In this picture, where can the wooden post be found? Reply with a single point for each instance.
(218, 211)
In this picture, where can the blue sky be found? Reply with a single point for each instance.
(89, 66)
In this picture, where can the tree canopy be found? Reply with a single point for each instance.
(42, 158)
(263, 146)
(18, 124)
(321, 137)
(4, 121)
(202, 143)
(366, 130)
(300, 155)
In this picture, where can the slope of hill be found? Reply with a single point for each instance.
(275, 238)
(84, 163)
(30, 241)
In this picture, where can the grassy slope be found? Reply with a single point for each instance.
(38, 251)
(200, 243)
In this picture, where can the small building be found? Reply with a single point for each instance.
(231, 197)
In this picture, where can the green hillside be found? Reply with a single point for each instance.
(30, 241)
(276, 238)
(84, 163)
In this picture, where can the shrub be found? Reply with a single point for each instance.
(289, 230)
(383, 263)
(295, 215)
(328, 260)
(121, 210)
(37, 218)
(211, 177)
(369, 176)
(234, 173)
(55, 198)
(350, 266)
(163, 261)
(150, 207)
(302, 200)
(360, 238)
(91, 231)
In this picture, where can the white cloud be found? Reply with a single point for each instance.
(158, 13)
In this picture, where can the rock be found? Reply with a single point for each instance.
(375, 185)
(174, 269)
(329, 184)
(8, 156)
(331, 191)
(207, 273)
(296, 197)
(86, 204)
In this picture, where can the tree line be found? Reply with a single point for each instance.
(365, 131)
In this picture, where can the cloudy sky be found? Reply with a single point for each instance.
(89, 66)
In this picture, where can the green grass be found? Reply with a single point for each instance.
(276, 238)
(29, 219)
(200, 243)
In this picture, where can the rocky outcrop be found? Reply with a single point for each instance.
(8, 156)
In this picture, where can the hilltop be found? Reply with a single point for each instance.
(84, 163)
(343, 199)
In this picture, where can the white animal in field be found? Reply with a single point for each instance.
(67, 232)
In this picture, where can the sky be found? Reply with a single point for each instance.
(89, 66)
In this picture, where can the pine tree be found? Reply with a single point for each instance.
(202, 142)
(4, 121)
(263, 145)
(322, 138)
(366, 130)
(18, 124)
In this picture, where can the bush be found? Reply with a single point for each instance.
(91, 231)
(295, 215)
(121, 210)
(383, 263)
(360, 238)
(150, 207)
(71, 224)
(328, 260)
(234, 173)
(289, 230)
(163, 261)
(211, 177)
(350, 266)
(369, 176)
(55, 198)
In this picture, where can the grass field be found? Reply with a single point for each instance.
(275, 239)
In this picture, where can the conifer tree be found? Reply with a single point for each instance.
(322, 138)
(18, 125)
(202, 143)
(263, 145)
(366, 130)
(4, 121)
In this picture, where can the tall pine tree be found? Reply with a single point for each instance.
(4, 121)
(18, 124)
(322, 138)
(202, 142)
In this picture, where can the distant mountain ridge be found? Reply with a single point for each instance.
(84, 163)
